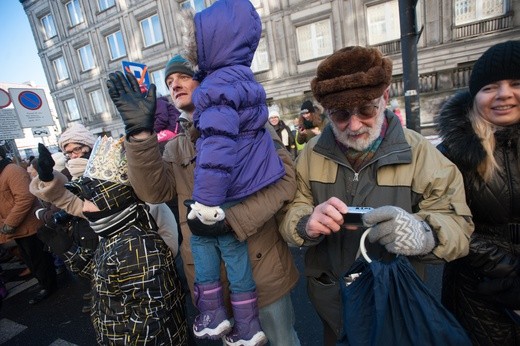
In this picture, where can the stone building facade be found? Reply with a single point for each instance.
(80, 42)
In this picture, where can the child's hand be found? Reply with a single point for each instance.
(206, 215)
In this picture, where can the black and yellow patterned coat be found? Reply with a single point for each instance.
(137, 295)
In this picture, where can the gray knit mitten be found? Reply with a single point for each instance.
(398, 231)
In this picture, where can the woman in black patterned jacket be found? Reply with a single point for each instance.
(480, 130)
(137, 295)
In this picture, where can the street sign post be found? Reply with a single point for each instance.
(140, 71)
(9, 125)
(31, 106)
(5, 98)
(40, 131)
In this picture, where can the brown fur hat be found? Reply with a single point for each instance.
(351, 77)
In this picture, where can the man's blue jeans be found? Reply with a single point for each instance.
(277, 320)
(207, 252)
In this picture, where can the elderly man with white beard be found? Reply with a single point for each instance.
(364, 158)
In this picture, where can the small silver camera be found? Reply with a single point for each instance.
(354, 215)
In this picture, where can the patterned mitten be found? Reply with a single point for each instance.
(398, 231)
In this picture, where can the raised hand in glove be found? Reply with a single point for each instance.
(201, 229)
(398, 231)
(45, 163)
(206, 215)
(137, 110)
(505, 291)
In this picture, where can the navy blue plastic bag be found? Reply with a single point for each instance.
(388, 304)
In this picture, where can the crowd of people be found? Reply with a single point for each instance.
(104, 213)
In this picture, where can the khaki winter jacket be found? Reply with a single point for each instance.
(156, 180)
(17, 204)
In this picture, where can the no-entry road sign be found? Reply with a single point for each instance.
(31, 106)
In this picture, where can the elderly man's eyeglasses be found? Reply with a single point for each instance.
(76, 150)
(364, 113)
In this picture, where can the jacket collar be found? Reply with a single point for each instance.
(454, 127)
(394, 148)
(4, 163)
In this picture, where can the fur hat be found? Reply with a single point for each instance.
(3, 153)
(351, 77)
(307, 107)
(501, 61)
(177, 64)
(77, 133)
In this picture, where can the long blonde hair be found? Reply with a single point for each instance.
(486, 132)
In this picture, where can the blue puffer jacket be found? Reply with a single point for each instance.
(235, 154)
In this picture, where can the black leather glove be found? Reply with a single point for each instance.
(45, 163)
(505, 292)
(200, 229)
(137, 110)
(57, 240)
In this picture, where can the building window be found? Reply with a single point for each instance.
(116, 45)
(158, 80)
(314, 40)
(97, 101)
(60, 67)
(49, 28)
(197, 5)
(151, 30)
(467, 11)
(86, 57)
(383, 22)
(75, 14)
(261, 58)
(105, 4)
(71, 107)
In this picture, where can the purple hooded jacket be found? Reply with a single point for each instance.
(235, 154)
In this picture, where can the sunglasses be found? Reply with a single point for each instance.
(365, 112)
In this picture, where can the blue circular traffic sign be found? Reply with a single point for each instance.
(30, 100)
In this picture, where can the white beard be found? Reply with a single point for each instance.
(344, 137)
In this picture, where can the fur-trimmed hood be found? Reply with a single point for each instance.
(225, 34)
(459, 141)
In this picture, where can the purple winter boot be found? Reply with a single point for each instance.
(246, 330)
(212, 321)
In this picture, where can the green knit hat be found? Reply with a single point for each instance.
(177, 64)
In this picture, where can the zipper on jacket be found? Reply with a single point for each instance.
(356, 176)
(509, 178)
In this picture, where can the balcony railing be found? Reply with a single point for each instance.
(389, 48)
(428, 82)
(483, 27)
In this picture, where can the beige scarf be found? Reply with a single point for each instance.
(76, 167)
